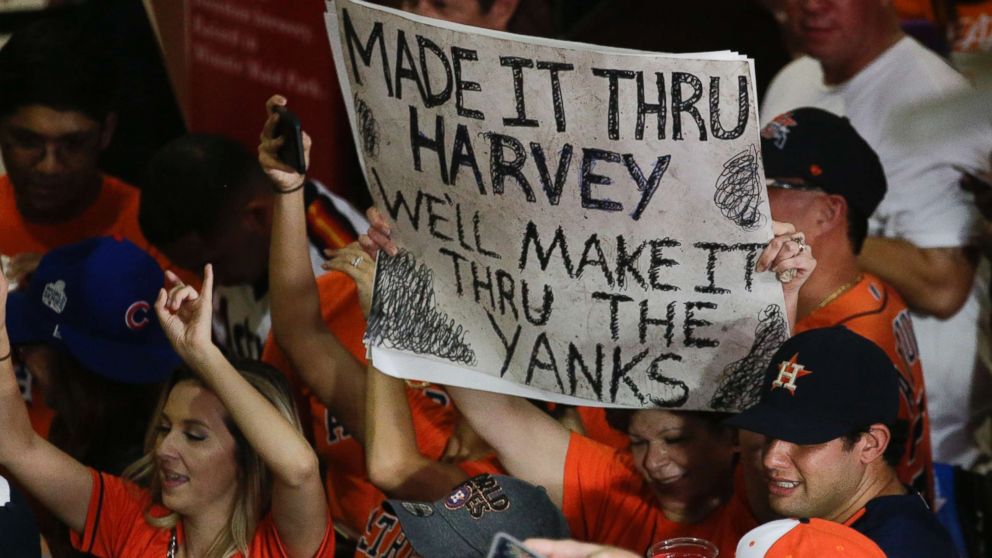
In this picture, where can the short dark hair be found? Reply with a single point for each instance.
(59, 64)
(190, 182)
(898, 434)
(619, 419)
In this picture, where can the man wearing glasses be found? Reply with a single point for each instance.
(826, 180)
(56, 118)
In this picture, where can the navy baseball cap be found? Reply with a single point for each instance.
(823, 384)
(96, 299)
(465, 522)
(810, 147)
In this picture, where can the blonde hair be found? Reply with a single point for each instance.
(254, 492)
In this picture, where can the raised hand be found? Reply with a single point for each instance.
(788, 256)
(378, 237)
(185, 314)
(285, 178)
(354, 262)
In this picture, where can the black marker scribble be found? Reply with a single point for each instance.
(368, 128)
(740, 387)
(738, 192)
(404, 314)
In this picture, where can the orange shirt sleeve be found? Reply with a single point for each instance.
(596, 427)
(115, 521)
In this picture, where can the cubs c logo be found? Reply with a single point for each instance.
(136, 317)
(788, 372)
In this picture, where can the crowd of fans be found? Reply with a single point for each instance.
(182, 371)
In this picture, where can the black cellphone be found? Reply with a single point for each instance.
(288, 128)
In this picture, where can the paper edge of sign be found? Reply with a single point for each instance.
(398, 364)
(412, 367)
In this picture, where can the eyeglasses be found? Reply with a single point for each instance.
(70, 145)
(792, 184)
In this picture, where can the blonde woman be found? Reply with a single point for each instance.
(226, 473)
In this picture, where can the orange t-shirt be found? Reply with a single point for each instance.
(606, 501)
(351, 495)
(597, 428)
(972, 31)
(114, 213)
(974, 27)
(875, 311)
(116, 527)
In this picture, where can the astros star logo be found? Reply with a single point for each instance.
(788, 372)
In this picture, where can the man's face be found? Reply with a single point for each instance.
(817, 480)
(238, 256)
(467, 12)
(836, 32)
(51, 157)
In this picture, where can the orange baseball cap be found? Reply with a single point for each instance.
(806, 538)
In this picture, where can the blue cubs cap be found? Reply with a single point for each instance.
(823, 384)
(464, 523)
(810, 147)
(96, 299)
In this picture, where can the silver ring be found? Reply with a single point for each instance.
(801, 242)
(355, 262)
(786, 276)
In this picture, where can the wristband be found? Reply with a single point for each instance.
(291, 190)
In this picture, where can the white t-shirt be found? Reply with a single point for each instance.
(242, 317)
(924, 204)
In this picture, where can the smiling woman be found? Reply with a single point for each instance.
(687, 458)
(227, 471)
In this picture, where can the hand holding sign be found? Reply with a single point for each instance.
(353, 262)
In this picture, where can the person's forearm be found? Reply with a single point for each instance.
(295, 302)
(281, 446)
(59, 482)
(394, 461)
(530, 444)
(331, 372)
(935, 281)
(17, 432)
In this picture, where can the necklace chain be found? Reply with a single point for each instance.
(839, 291)
(173, 545)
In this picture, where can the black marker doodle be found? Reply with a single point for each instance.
(405, 316)
(740, 387)
(368, 128)
(738, 192)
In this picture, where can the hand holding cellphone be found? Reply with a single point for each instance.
(288, 128)
(505, 546)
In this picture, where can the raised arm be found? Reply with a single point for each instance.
(530, 443)
(934, 281)
(395, 464)
(299, 506)
(322, 362)
(59, 482)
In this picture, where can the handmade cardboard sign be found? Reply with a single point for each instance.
(578, 223)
